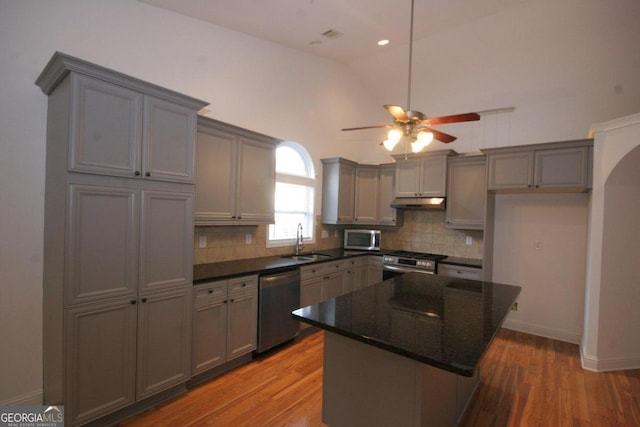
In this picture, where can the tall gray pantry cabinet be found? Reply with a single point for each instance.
(118, 239)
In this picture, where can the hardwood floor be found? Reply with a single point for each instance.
(525, 381)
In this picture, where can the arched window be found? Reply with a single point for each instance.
(295, 183)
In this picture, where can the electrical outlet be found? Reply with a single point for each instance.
(325, 234)
(468, 240)
(248, 238)
(514, 307)
(202, 241)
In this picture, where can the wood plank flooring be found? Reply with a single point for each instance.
(525, 381)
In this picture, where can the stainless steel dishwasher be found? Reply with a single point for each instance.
(279, 295)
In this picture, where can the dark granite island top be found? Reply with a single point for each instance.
(440, 321)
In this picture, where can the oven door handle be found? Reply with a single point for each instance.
(406, 269)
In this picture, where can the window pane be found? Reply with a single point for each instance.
(292, 197)
(286, 226)
(289, 161)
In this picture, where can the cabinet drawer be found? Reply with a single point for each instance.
(213, 290)
(460, 271)
(313, 271)
(241, 285)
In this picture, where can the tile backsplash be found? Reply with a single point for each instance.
(422, 231)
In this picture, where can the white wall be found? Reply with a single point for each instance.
(251, 83)
(612, 317)
(552, 277)
(563, 64)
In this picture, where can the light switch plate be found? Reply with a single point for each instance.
(202, 241)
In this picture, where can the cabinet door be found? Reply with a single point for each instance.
(386, 191)
(310, 294)
(164, 341)
(256, 181)
(209, 344)
(510, 171)
(333, 285)
(561, 168)
(366, 195)
(100, 359)
(215, 176)
(433, 176)
(242, 325)
(106, 130)
(374, 270)
(466, 193)
(407, 177)
(103, 229)
(169, 137)
(166, 241)
(346, 194)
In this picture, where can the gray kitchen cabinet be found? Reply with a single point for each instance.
(225, 321)
(235, 175)
(311, 277)
(100, 359)
(366, 194)
(242, 326)
(356, 273)
(164, 337)
(355, 193)
(386, 192)
(209, 339)
(562, 166)
(466, 192)
(422, 175)
(334, 284)
(120, 131)
(460, 271)
(338, 191)
(118, 230)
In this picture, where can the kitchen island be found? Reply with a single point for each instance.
(404, 352)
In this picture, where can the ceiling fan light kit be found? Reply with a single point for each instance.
(413, 124)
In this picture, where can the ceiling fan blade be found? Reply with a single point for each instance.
(441, 136)
(397, 113)
(368, 127)
(467, 117)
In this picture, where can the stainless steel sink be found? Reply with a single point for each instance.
(307, 257)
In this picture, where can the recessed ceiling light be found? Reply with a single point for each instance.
(383, 42)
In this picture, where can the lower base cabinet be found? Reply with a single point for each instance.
(117, 352)
(225, 319)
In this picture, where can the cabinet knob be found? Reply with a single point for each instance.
(143, 300)
(529, 185)
(231, 300)
(210, 291)
(244, 284)
(137, 173)
(147, 174)
(239, 217)
(233, 217)
(133, 302)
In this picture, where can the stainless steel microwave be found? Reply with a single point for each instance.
(365, 240)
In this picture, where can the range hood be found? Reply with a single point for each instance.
(430, 203)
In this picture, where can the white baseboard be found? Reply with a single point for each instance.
(33, 398)
(593, 363)
(543, 331)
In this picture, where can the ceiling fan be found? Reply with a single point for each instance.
(413, 124)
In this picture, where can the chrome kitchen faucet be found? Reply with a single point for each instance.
(299, 244)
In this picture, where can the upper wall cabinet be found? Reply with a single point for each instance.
(560, 166)
(120, 127)
(466, 192)
(338, 191)
(422, 175)
(235, 175)
(355, 193)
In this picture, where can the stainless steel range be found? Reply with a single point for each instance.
(399, 262)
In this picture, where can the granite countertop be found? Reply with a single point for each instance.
(273, 264)
(203, 273)
(438, 320)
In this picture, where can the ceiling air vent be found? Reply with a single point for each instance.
(332, 34)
